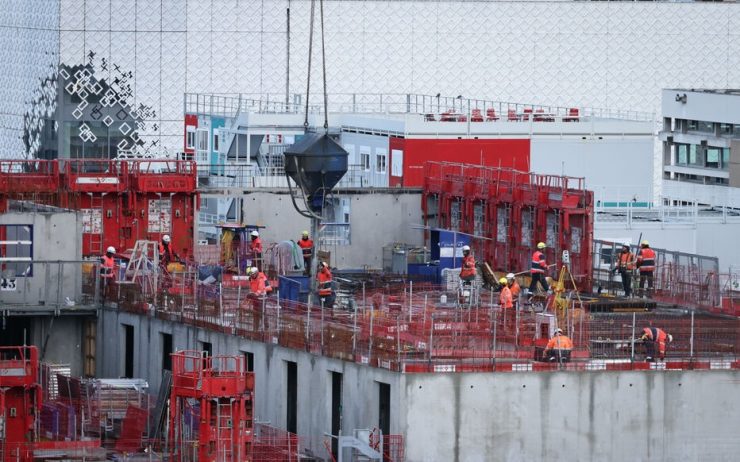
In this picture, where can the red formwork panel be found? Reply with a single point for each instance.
(22, 176)
(94, 176)
(520, 209)
(164, 176)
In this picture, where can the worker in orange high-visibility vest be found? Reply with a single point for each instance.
(538, 269)
(167, 253)
(625, 265)
(559, 347)
(259, 285)
(652, 336)
(255, 247)
(306, 245)
(646, 264)
(324, 288)
(514, 287)
(107, 270)
(506, 300)
(467, 270)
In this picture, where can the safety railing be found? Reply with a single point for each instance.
(643, 214)
(407, 326)
(52, 286)
(220, 177)
(448, 108)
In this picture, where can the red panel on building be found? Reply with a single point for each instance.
(505, 153)
(191, 123)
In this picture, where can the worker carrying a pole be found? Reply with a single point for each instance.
(324, 288)
(107, 270)
(467, 271)
(646, 264)
(255, 247)
(538, 268)
(625, 265)
(559, 347)
(306, 245)
(167, 253)
(652, 336)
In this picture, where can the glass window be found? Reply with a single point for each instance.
(693, 157)
(706, 127)
(692, 125)
(215, 140)
(201, 140)
(725, 158)
(682, 154)
(380, 163)
(16, 252)
(190, 139)
(725, 129)
(365, 161)
(713, 155)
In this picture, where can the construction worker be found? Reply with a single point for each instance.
(505, 298)
(559, 347)
(513, 286)
(107, 271)
(167, 253)
(324, 288)
(467, 271)
(538, 268)
(255, 247)
(625, 265)
(651, 336)
(646, 264)
(259, 285)
(306, 246)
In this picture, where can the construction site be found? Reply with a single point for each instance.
(380, 276)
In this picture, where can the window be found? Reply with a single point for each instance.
(713, 155)
(201, 140)
(725, 158)
(166, 351)
(16, 251)
(215, 140)
(365, 161)
(128, 351)
(380, 163)
(190, 138)
(693, 157)
(725, 129)
(682, 154)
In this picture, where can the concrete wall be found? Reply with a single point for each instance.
(57, 237)
(573, 416)
(359, 384)
(376, 219)
(59, 340)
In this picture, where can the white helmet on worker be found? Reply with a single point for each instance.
(324, 264)
(645, 244)
(254, 270)
(558, 331)
(510, 276)
(466, 248)
(670, 338)
(541, 245)
(166, 238)
(255, 233)
(111, 249)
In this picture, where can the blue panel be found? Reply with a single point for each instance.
(443, 243)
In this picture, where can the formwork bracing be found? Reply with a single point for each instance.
(508, 212)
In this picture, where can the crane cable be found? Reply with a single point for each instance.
(323, 64)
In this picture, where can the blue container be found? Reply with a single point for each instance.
(425, 272)
(294, 288)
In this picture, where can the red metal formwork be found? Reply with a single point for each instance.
(94, 176)
(511, 211)
(21, 176)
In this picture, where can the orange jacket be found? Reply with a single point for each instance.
(107, 267)
(256, 245)
(505, 299)
(468, 267)
(656, 335)
(538, 264)
(626, 261)
(646, 260)
(325, 279)
(258, 284)
(307, 246)
(515, 289)
(560, 342)
(166, 253)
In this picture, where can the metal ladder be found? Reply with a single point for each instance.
(96, 239)
(224, 432)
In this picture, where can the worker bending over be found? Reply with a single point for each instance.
(559, 347)
(306, 245)
(651, 336)
(646, 264)
(467, 271)
(625, 265)
(538, 268)
(259, 285)
(324, 288)
(167, 253)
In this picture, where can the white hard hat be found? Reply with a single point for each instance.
(111, 249)
(558, 331)
(166, 238)
(254, 270)
(254, 233)
(466, 247)
(670, 338)
(510, 276)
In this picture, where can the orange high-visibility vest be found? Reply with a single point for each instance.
(505, 299)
